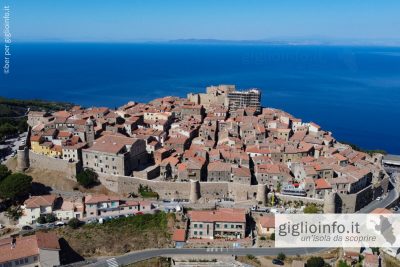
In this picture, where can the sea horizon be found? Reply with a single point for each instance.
(352, 91)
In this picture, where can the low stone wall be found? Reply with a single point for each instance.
(49, 163)
(305, 200)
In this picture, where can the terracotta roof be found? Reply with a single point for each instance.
(267, 221)
(40, 201)
(322, 184)
(47, 241)
(219, 166)
(221, 215)
(93, 199)
(111, 143)
(179, 235)
(241, 172)
(27, 246)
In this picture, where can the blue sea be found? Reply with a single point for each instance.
(352, 91)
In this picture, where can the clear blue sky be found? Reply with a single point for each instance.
(132, 20)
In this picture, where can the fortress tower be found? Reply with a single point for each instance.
(262, 193)
(89, 132)
(22, 159)
(330, 202)
(194, 191)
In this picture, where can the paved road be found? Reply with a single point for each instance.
(166, 252)
(392, 196)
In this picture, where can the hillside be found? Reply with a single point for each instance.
(13, 113)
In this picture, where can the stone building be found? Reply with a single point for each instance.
(113, 154)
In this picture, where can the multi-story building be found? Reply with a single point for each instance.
(41, 249)
(222, 223)
(103, 205)
(114, 154)
(37, 206)
(244, 99)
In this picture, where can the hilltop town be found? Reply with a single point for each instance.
(218, 157)
(222, 136)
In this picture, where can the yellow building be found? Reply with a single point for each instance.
(39, 146)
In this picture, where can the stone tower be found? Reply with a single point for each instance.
(89, 132)
(330, 202)
(262, 193)
(22, 158)
(194, 191)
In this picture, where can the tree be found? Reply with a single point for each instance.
(4, 172)
(74, 223)
(14, 212)
(87, 178)
(316, 262)
(50, 218)
(41, 220)
(311, 208)
(272, 237)
(15, 185)
(281, 256)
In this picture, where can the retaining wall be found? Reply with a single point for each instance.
(49, 163)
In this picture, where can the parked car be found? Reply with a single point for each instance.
(278, 262)
(1, 226)
(59, 223)
(93, 220)
(379, 198)
(27, 228)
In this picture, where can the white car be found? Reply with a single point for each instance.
(379, 198)
(59, 223)
(2, 226)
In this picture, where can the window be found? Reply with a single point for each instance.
(195, 232)
(200, 233)
(195, 225)
(200, 226)
(217, 225)
(225, 226)
(232, 226)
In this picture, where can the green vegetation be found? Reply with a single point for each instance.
(4, 172)
(41, 220)
(74, 223)
(250, 256)
(368, 151)
(311, 208)
(120, 235)
(316, 262)
(88, 178)
(281, 256)
(272, 237)
(147, 192)
(13, 111)
(14, 212)
(15, 185)
(342, 263)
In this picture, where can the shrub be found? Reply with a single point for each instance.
(316, 262)
(281, 256)
(147, 192)
(74, 223)
(41, 220)
(262, 238)
(14, 212)
(87, 178)
(311, 208)
(272, 237)
(50, 218)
